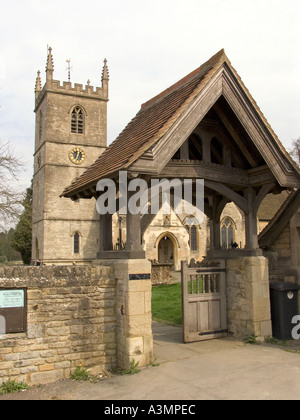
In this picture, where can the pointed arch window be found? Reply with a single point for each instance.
(193, 238)
(76, 243)
(77, 120)
(191, 227)
(227, 234)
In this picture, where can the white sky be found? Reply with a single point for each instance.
(149, 45)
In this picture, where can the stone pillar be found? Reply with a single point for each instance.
(248, 297)
(133, 309)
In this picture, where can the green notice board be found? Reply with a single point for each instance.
(13, 308)
(12, 298)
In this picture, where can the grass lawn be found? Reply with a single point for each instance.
(166, 303)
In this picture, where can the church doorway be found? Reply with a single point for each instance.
(166, 251)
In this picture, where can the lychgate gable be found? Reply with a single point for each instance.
(205, 126)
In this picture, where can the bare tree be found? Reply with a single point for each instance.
(11, 195)
(295, 150)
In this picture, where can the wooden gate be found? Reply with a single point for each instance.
(203, 302)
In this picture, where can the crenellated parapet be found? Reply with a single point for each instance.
(67, 88)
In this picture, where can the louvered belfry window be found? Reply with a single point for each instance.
(77, 120)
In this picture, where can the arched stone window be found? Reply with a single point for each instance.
(191, 224)
(77, 120)
(193, 238)
(76, 243)
(227, 233)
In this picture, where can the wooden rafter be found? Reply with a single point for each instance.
(230, 128)
(196, 145)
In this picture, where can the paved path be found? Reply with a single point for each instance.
(210, 370)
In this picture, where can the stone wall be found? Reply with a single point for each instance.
(161, 273)
(283, 258)
(71, 320)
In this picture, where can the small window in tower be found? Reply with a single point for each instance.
(77, 120)
(76, 243)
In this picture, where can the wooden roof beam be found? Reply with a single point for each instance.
(230, 128)
(231, 195)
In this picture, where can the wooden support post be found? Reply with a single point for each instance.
(106, 233)
(184, 151)
(206, 149)
(251, 221)
(253, 203)
(134, 242)
(217, 206)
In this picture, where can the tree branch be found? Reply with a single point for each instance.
(11, 196)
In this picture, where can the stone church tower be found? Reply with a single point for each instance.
(70, 134)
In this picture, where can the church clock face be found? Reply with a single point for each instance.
(77, 156)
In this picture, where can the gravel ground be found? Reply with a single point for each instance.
(60, 390)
